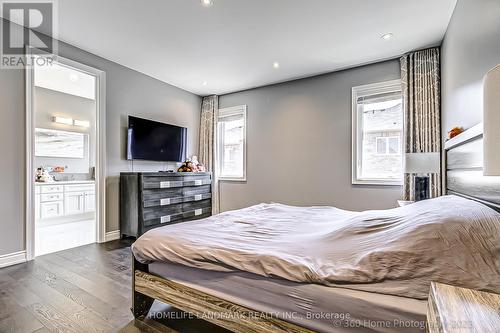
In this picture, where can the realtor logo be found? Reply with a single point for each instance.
(37, 18)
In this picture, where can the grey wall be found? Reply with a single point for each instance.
(471, 47)
(299, 143)
(128, 92)
(49, 103)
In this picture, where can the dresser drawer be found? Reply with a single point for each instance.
(156, 194)
(173, 182)
(51, 197)
(79, 188)
(161, 214)
(164, 201)
(51, 209)
(194, 190)
(51, 188)
(194, 205)
(197, 213)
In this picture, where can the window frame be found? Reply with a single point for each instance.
(387, 147)
(227, 112)
(356, 147)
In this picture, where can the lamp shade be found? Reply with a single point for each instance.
(422, 163)
(491, 123)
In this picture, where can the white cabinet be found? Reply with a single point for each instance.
(37, 206)
(51, 209)
(74, 203)
(59, 200)
(89, 203)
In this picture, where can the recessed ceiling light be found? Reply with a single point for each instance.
(73, 77)
(204, 83)
(207, 3)
(276, 65)
(387, 36)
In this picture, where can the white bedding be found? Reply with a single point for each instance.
(396, 251)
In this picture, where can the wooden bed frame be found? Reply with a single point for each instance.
(234, 317)
(463, 177)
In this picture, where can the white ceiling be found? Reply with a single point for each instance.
(233, 44)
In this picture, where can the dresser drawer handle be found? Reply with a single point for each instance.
(165, 219)
(165, 184)
(198, 212)
(164, 202)
(198, 182)
(198, 197)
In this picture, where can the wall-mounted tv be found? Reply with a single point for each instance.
(155, 141)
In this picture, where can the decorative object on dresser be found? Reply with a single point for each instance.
(152, 199)
(422, 164)
(454, 309)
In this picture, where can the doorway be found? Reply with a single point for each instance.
(65, 151)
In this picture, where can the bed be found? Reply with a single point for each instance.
(291, 291)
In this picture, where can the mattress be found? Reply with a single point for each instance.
(395, 252)
(317, 307)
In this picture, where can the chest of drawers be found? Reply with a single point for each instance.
(153, 199)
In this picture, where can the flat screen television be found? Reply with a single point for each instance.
(154, 141)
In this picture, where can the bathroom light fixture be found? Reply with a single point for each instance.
(62, 120)
(276, 65)
(207, 3)
(81, 123)
(387, 36)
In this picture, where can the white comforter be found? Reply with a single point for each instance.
(396, 251)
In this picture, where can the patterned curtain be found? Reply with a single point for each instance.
(420, 76)
(207, 147)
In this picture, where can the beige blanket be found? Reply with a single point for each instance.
(396, 251)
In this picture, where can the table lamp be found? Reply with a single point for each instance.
(421, 165)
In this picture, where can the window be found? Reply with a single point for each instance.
(231, 143)
(377, 125)
(388, 145)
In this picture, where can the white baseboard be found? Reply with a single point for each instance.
(12, 258)
(112, 235)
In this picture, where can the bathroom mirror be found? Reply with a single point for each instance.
(56, 143)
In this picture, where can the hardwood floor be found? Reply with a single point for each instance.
(85, 289)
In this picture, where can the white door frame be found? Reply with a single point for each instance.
(100, 173)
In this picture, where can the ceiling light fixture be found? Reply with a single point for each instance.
(276, 65)
(387, 36)
(204, 83)
(207, 3)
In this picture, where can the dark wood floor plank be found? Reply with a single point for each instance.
(53, 320)
(107, 311)
(21, 322)
(119, 287)
(98, 267)
(92, 321)
(86, 289)
(99, 289)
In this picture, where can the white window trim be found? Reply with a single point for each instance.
(360, 91)
(226, 112)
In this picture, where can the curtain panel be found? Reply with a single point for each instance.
(421, 83)
(207, 144)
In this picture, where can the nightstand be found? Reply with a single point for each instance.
(457, 310)
(402, 203)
